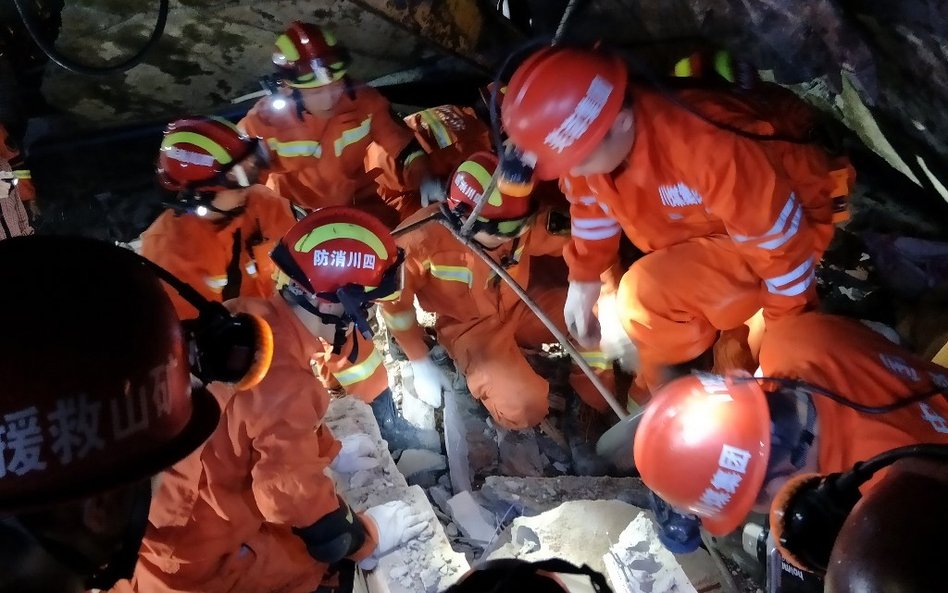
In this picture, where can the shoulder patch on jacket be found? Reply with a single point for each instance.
(558, 222)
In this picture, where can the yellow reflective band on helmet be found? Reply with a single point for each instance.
(483, 177)
(399, 322)
(723, 66)
(683, 68)
(596, 360)
(354, 135)
(286, 47)
(22, 174)
(295, 148)
(451, 273)
(229, 124)
(509, 227)
(341, 230)
(310, 81)
(212, 148)
(361, 371)
(442, 135)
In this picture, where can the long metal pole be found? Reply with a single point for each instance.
(469, 223)
(541, 315)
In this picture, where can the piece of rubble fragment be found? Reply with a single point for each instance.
(474, 521)
(639, 563)
(583, 532)
(424, 565)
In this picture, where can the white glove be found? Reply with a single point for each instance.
(356, 454)
(429, 381)
(397, 523)
(580, 321)
(431, 191)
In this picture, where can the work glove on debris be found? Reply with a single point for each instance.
(432, 190)
(357, 453)
(580, 321)
(430, 381)
(397, 523)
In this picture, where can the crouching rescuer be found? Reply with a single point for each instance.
(254, 509)
(481, 322)
(334, 264)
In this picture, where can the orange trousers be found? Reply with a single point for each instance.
(498, 374)
(676, 302)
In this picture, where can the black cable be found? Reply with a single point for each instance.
(863, 471)
(53, 54)
(845, 401)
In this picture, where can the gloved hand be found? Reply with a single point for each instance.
(430, 382)
(397, 523)
(356, 454)
(432, 191)
(580, 321)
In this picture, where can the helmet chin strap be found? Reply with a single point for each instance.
(340, 323)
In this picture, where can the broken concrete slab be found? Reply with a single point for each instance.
(424, 565)
(475, 522)
(583, 532)
(417, 412)
(415, 461)
(520, 453)
(639, 563)
(532, 496)
(578, 531)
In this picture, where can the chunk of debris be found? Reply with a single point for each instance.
(639, 563)
(475, 522)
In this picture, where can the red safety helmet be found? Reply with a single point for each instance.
(336, 247)
(703, 445)
(96, 389)
(468, 183)
(197, 153)
(560, 104)
(307, 56)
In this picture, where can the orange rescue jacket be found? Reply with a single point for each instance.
(320, 161)
(848, 358)
(265, 463)
(453, 282)
(201, 252)
(685, 178)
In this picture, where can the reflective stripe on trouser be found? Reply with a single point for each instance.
(673, 302)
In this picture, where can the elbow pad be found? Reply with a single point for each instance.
(334, 536)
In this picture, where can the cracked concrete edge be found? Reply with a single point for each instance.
(421, 566)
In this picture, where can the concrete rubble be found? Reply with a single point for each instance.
(532, 496)
(473, 520)
(425, 565)
(614, 538)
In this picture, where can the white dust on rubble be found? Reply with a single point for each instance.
(614, 538)
(424, 565)
(639, 563)
(578, 531)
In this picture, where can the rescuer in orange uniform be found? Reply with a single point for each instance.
(729, 224)
(319, 124)
(10, 152)
(218, 235)
(719, 447)
(253, 510)
(480, 321)
(448, 134)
